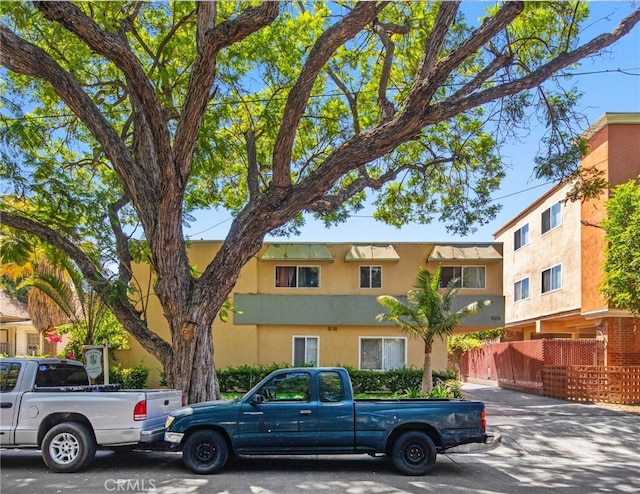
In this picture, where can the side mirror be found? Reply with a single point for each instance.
(256, 399)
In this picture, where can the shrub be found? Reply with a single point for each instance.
(243, 378)
(129, 377)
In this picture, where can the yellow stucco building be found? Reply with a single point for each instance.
(316, 303)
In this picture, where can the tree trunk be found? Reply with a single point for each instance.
(427, 377)
(190, 366)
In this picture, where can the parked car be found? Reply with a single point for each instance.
(312, 411)
(50, 404)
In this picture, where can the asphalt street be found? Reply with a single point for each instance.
(546, 444)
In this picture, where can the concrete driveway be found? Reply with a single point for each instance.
(564, 446)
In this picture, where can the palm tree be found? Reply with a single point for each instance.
(428, 314)
(59, 300)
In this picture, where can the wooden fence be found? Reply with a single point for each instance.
(566, 369)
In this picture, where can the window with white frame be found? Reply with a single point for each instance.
(33, 343)
(552, 279)
(552, 217)
(383, 353)
(465, 276)
(521, 237)
(297, 276)
(521, 289)
(305, 350)
(370, 276)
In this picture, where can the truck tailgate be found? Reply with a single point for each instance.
(161, 402)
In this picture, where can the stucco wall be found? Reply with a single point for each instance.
(560, 245)
(254, 337)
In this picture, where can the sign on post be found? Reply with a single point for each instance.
(97, 360)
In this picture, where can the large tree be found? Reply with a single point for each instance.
(120, 118)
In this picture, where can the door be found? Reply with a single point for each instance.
(9, 395)
(286, 419)
(336, 415)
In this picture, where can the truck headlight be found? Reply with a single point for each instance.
(169, 421)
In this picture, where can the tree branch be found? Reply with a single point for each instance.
(119, 304)
(328, 42)
(122, 245)
(538, 76)
(210, 41)
(24, 58)
(115, 48)
(387, 110)
(379, 140)
(252, 175)
(432, 73)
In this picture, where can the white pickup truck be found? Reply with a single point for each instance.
(50, 404)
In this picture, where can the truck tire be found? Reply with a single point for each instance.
(68, 447)
(413, 453)
(205, 451)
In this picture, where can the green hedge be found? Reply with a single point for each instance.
(129, 377)
(242, 379)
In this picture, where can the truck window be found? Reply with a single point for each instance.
(50, 375)
(331, 389)
(9, 372)
(292, 386)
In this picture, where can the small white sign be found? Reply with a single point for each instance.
(93, 356)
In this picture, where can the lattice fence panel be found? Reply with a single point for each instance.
(604, 384)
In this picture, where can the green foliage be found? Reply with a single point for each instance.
(621, 284)
(245, 377)
(465, 342)
(11, 288)
(78, 334)
(128, 377)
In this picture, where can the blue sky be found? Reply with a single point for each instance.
(610, 83)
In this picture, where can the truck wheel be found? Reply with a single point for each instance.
(413, 453)
(205, 451)
(68, 447)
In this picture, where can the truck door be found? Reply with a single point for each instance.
(9, 396)
(336, 414)
(285, 420)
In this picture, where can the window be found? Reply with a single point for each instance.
(62, 374)
(331, 389)
(465, 276)
(292, 386)
(552, 217)
(383, 353)
(521, 237)
(370, 276)
(305, 350)
(521, 289)
(4, 341)
(33, 343)
(297, 276)
(9, 372)
(552, 279)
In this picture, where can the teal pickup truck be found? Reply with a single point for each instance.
(312, 411)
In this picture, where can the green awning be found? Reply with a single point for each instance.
(471, 253)
(297, 252)
(372, 253)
